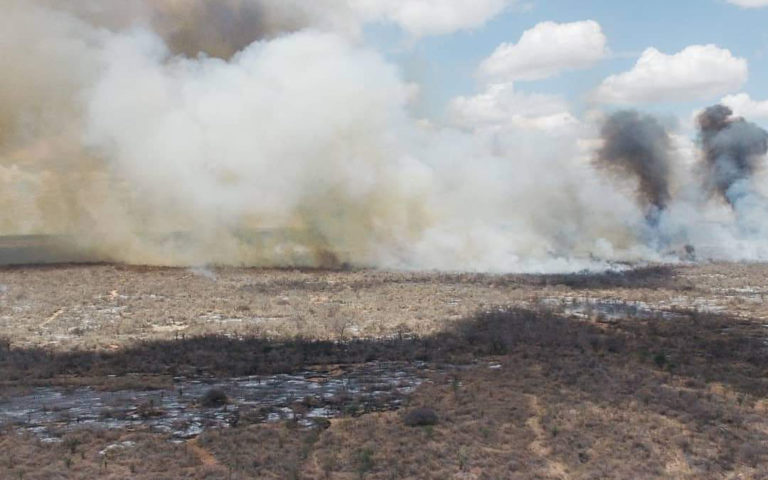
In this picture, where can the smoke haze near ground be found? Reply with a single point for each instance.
(267, 133)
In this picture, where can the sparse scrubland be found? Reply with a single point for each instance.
(658, 372)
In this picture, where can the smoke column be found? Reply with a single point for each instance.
(218, 28)
(638, 146)
(732, 148)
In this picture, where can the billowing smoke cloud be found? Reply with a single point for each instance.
(57, 178)
(213, 28)
(295, 149)
(638, 146)
(259, 132)
(733, 150)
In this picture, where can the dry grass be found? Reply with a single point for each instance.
(99, 454)
(572, 398)
(107, 307)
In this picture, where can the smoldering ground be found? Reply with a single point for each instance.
(269, 133)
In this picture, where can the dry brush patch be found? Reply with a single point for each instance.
(108, 307)
(99, 454)
(532, 392)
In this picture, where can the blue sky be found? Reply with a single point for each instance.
(447, 64)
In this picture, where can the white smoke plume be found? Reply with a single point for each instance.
(267, 133)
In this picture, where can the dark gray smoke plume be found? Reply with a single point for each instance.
(639, 146)
(732, 150)
(217, 28)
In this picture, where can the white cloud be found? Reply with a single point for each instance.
(749, 3)
(743, 105)
(500, 105)
(696, 72)
(431, 17)
(546, 50)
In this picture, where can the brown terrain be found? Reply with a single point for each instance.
(655, 372)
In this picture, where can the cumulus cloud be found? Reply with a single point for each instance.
(431, 17)
(546, 50)
(749, 3)
(697, 72)
(744, 106)
(501, 105)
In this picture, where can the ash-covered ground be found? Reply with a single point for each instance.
(115, 371)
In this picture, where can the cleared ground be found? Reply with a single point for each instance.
(660, 372)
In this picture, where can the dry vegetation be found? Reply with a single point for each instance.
(530, 388)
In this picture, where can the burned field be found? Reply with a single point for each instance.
(142, 372)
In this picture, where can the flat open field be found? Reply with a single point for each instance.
(111, 371)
